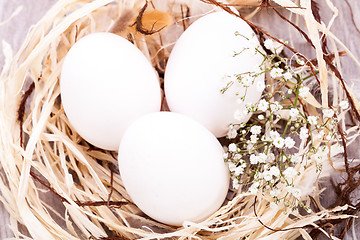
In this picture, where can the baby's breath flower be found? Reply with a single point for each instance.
(235, 184)
(232, 166)
(279, 142)
(274, 170)
(290, 173)
(294, 113)
(270, 157)
(263, 105)
(274, 47)
(312, 120)
(261, 117)
(226, 156)
(275, 192)
(237, 156)
(344, 105)
(254, 188)
(289, 142)
(232, 133)
(328, 113)
(253, 139)
(274, 135)
(260, 86)
(267, 175)
(255, 129)
(304, 133)
(276, 72)
(262, 157)
(276, 106)
(304, 92)
(232, 147)
(287, 75)
(254, 159)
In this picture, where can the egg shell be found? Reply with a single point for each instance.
(173, 169)
(107, 83)
(203, 61)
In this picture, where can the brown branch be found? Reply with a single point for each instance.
(21, 110)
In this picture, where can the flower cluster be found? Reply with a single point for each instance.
(266, 152)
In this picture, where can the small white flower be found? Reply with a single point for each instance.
(304, 133)
(232, 166)
(261, 117)
(275, 192)
(294, 113)
(255, 129)
(312, 120)
(237, 156)
(274, 170)
(344, 105)
(269, 44)
(274, 135)
(263, 105)
(274, 47)
(260, 86)
(304, 92)
(239, 170)
(253, 139)
(232, 147)
(226, 156)
(232, 133)
(276, 72)
(267, 175)
(254, 188)
(290, 173)
(328, 113)
(235, 184)
(279, 142)
(262, 158)
(271, 157)
(275, 106)
(289, 142)
(287, 75)
(254, 159)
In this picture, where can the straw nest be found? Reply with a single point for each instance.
(43, 157)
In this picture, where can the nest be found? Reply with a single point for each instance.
(43, 157)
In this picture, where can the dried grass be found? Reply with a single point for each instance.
(42, 155)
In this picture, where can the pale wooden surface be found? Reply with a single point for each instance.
(15, 31)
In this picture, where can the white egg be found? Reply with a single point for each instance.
(107, 83)
(173, 168)
(206, 57)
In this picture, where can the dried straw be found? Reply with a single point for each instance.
(42, 155)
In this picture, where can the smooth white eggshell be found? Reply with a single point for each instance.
(202, 62)
(172, 167)
(107, 83)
